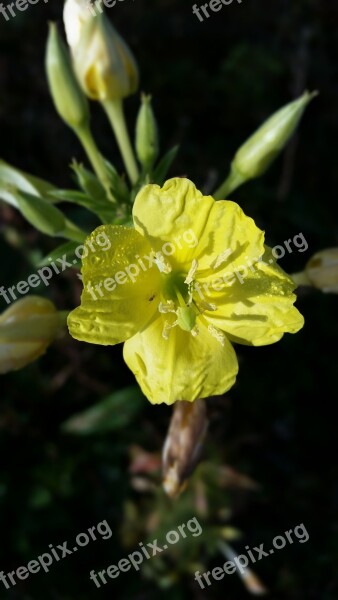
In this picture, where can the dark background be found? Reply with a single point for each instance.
(212, 83)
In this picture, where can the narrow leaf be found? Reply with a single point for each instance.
(112, 413)
(164, 165)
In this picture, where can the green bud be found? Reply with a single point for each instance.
(261, 149)
(69, 100)
(26, 330)
(147, 146)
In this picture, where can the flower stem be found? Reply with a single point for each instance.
(115, 113)
(232, 182)
(86, 138)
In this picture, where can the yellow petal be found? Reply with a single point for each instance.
(182, 367)
(120, 295)
(196, 226)
(258, 308)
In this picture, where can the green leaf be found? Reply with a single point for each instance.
(88, 182)
(43, 216)
(101, 208)
(118, 185)
(164, 165)
(81, 199)
(112, 413)
(46, 217)
(71, 196)
(12, 180)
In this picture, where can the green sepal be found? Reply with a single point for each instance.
(160, 172)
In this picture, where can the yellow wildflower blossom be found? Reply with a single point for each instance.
(192, 276)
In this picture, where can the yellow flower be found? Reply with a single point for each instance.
(26, 330)
(174, 288)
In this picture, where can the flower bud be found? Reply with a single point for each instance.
(322, 270)
(104, 65)
(147, 146)
(75, 14)
(69, 100)
(261, 149)
(26, 330)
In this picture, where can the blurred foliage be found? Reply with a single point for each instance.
(212, 84)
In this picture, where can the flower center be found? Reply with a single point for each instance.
(177, 292)
(174, 286)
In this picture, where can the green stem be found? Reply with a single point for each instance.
(115, 113)
(232, 182)
(85, 136)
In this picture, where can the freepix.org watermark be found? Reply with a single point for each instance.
(190, 240)
(136, 558)
(298, 242)
(95, 6)
(240, 563)
(143, 263)
(213, 5)
(45, 274)
(10, 10)
(45, 560)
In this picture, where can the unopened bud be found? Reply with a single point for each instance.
(261, 149)
(104, 65)
(26, 330)
(322, 270)
(75, 14)
(147, 146)
(69, 99)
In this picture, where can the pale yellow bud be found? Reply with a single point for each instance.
(104, 65)
(75, 14)
(322, 270)
(26, 330)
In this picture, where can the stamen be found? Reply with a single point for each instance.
(169, 307)
(195, 331)
(216, 333)
(221, 258)
(207, 306)
(167, 327)
(190, 277)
